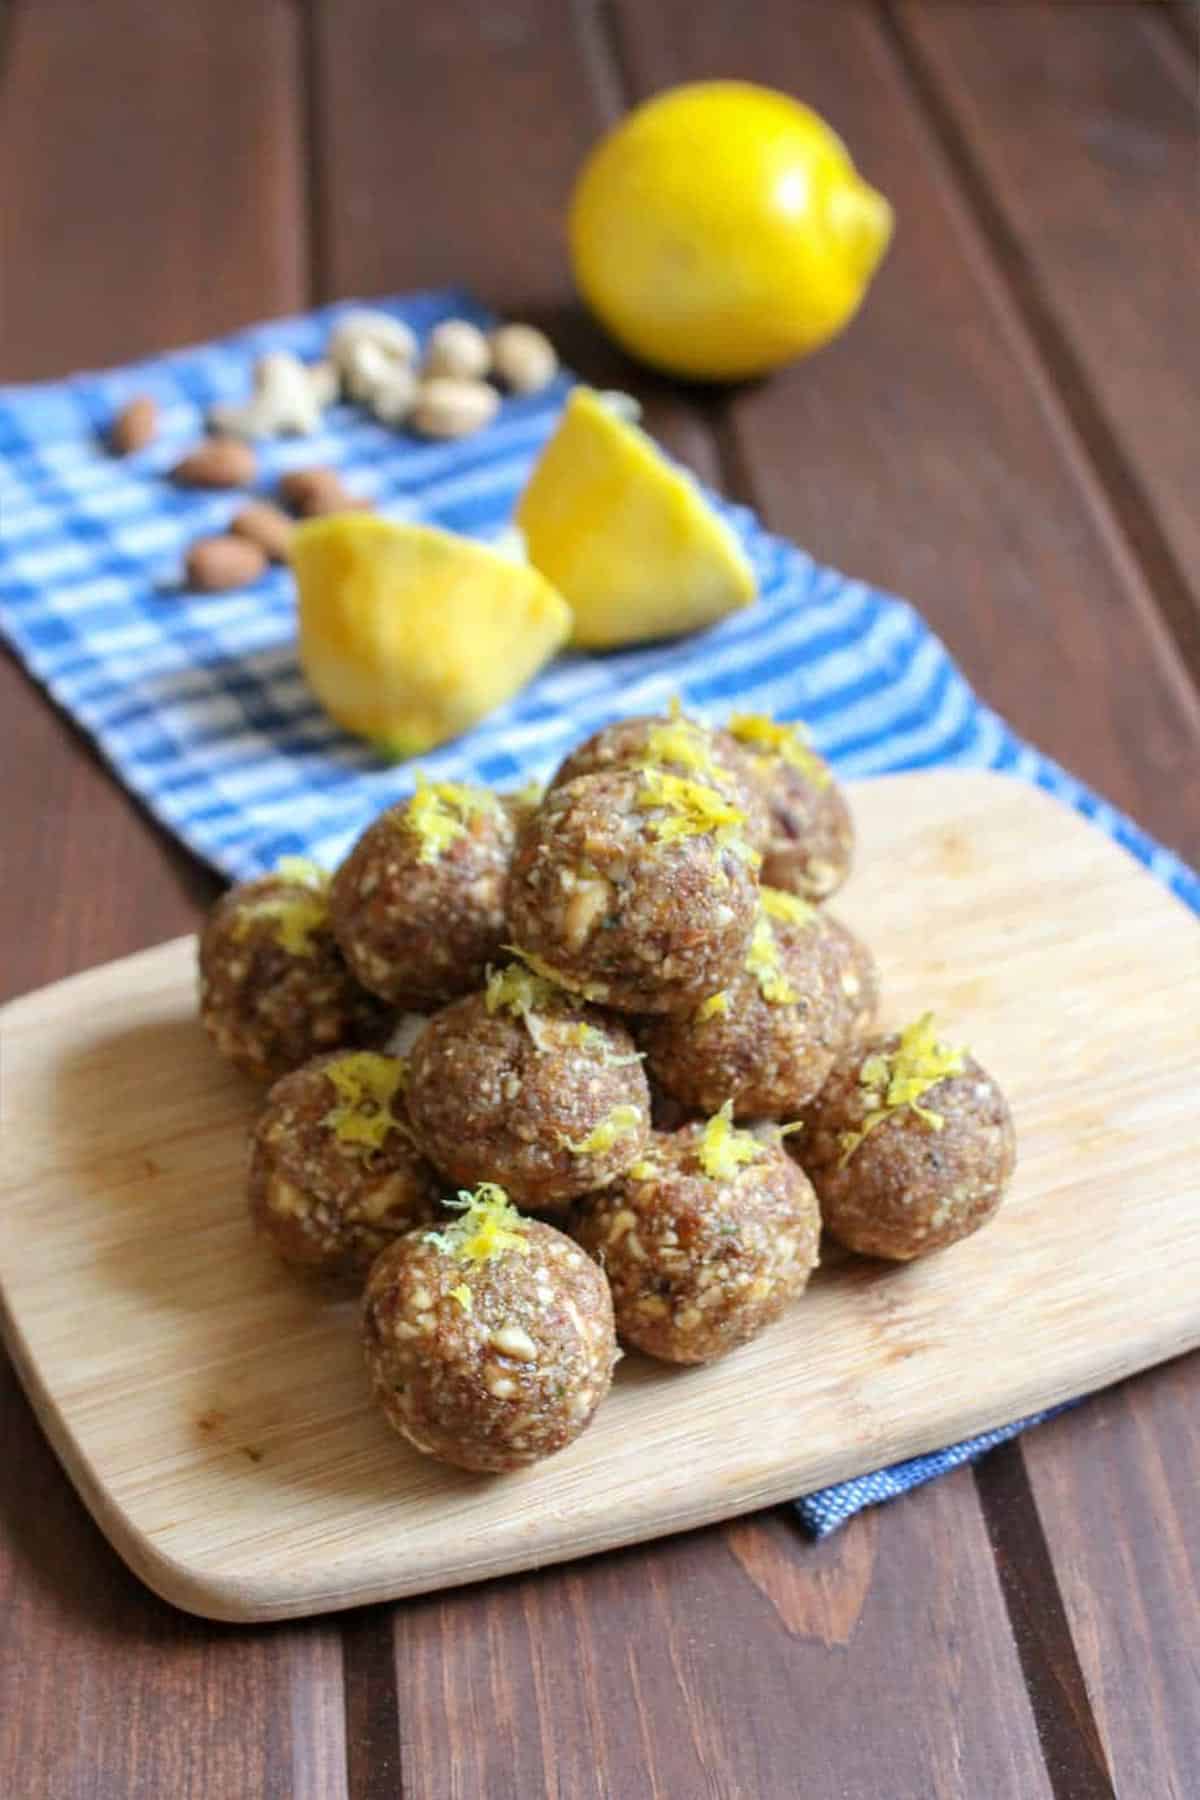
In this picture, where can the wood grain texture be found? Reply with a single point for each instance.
(245, 1483)
(926, 449)
(172, 182)
(638, 1671)
(1106, 255)
(148, 184)
(1116, 1486)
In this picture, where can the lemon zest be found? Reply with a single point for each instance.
(645, 1170)
(591, 990)
(521, 992)
(693, 810)
(787, 742)
(723, 1148)
(462, 1294)
(895, 1079)
(302, 871)
(296, 915)
(790, 909)
(716, 1004)
(490, 1225)
(440, 811)
(617, 1124)
(762, 961)
(681, 744)
(366, 1084)
(586, 1037)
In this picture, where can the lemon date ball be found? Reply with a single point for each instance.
(489, 1343)
(910, 1145)
(704, 1241)
(335, 1174)
(419, 903)
(274, 987)
(525, 1086)
(635, 888)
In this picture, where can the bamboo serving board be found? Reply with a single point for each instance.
(215, 1416)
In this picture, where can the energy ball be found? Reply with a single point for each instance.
(334, 1173)
(704, 1241)
(274, 988)
(684, 747)
(636, 888)
(853, 969)
(524, 1086)
(490, 1343)
(909, 1145)
(419, 904)
(768, 1039)
(812, 834)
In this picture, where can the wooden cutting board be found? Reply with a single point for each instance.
(215, 1417)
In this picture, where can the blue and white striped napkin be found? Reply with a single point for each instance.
(198, 703)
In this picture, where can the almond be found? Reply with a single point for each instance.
(135, 426)
(217, 563)
(222, 462)
(265, 525)
(314, 492)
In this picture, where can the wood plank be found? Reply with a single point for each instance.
(107, 1691)
(167, 205)
(1080, 125)
(145, 202)
(743, 1663)
(927, 450)
(1115, 1486)
(123, 1205)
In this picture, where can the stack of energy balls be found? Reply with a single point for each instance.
(641, 1078)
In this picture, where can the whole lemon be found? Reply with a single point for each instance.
(722, 229)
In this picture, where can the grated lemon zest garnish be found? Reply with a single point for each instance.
(591, 990)
(618, 1124)
(489, 1226)
(789, 908)
(366, 1084)
(716, 1005)
(762, 961)
(723, 1148)
(787, 742)
(440, 811)
(895, 1079)
(682, 744)
(693, 810)
(462, 1294)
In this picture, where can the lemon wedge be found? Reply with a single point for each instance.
(626, 536)
(410, 635)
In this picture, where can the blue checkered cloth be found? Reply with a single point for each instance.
(198, 703)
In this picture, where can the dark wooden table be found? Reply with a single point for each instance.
(1009, 435)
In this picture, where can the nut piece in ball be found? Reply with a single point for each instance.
(909, 1145)
(768, 1039)
(490, 1343)
(524, 1085)
(812, 834)
(704, 1241)
(635, 888)
(274, 988)
(334, 1173)
(418, 905)
(684, 747)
